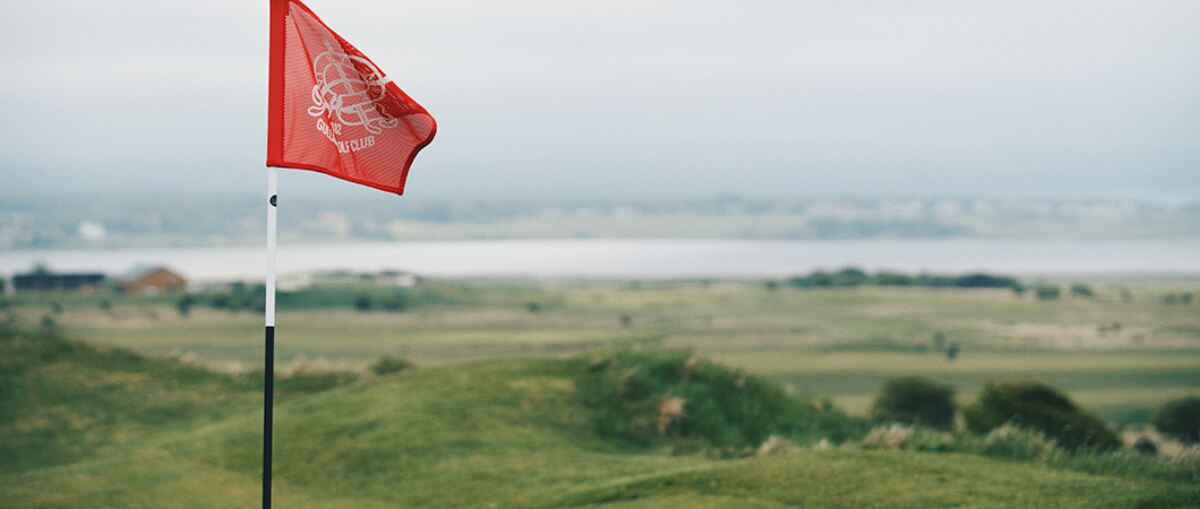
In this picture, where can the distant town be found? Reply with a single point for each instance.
(32, 224)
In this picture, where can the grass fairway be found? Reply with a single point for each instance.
(1120, 353)
(93, 428)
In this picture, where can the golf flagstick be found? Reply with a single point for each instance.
(269, 353)
(330, 109)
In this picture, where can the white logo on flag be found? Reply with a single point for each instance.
(347, 93)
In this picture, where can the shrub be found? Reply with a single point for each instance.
(893, 279)
(396, 303)
(1041, 408)
(363, 303)
(184, 304)
(1145, 445)
(1180, 418)
(220, 301)
(915, 400)
(980, 280)
(389, 365)
(1047, 292)
(1082, 290)
(1013, 442)
(851, 276)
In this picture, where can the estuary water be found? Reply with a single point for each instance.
(645, 258)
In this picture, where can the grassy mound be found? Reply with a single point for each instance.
(509, 434)
(63, 400)
(649, 398)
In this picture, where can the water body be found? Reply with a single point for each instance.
(647, 258)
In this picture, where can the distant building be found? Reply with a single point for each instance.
(151, 280)
(42, 280)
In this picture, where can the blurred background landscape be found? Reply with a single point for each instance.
(673, 254)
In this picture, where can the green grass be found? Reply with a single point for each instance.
(842, 343)
(509, 434)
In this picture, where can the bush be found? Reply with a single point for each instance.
(1145, 445)
(396, 303)
(1180, 418)
(184, 304)
(363, 303)
(1082, 290)
(1047, 292)
(893, 279)
(980, 280)
(1041, 408)
(915, 400)
(1017, 443)
(389, 365)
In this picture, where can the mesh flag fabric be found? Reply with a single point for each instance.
(332, 110)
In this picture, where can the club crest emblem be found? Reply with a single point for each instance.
(348, 92)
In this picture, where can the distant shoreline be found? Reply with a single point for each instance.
(652, 259)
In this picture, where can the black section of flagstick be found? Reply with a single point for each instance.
(268, 411)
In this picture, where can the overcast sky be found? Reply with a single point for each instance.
(630, 98)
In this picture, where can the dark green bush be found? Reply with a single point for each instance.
(915, 400)
(1180, 418)
(1042, 408)
(981, 280)
(647, 398)
(389, 365)
(185, 303)
(1082, 290)
(1145, 445)
(852, 276)
(396, 303)
(1047, 292)
(893, 279)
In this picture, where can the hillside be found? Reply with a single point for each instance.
(83, 427)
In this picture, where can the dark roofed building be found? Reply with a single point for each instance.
(42, 280)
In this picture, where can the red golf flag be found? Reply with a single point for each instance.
(332, 110)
